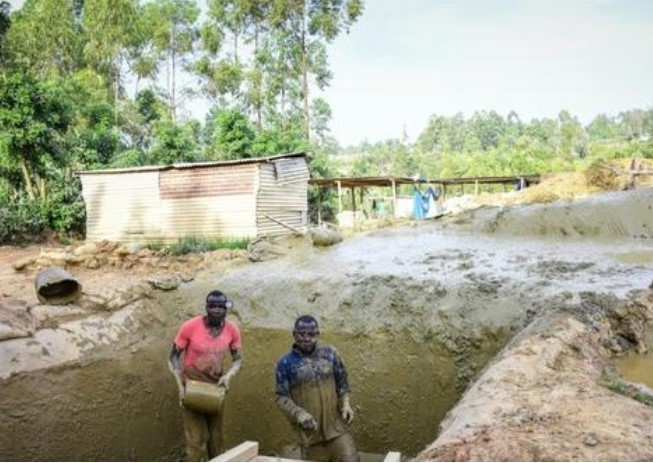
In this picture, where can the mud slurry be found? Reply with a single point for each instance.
(417, 312)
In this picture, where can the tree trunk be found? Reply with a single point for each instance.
(173, 62)
(304, 51)
(258, 104)
(27, 178)
(40, 186)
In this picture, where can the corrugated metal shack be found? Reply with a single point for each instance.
(240, 198)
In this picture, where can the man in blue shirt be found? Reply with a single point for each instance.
(313, 392)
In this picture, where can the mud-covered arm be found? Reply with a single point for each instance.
(174, 363)
(237, 363)
(282, 389)
(342, 387)
(340, 375)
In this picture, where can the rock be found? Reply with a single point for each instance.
(165, 284)
(106, 246)
(591, 440)
(15, 320)
(325, 237)
(86, 249)
(8, 332)
(49, 316)
(261, 249)
(21, 264)
(92, 263)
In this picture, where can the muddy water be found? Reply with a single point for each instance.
(637, 368)
(125, 408)
(401, 389)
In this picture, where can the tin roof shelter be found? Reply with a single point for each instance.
(239, 198)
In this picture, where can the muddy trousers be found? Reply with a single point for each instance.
(342, 448)
(203, 435)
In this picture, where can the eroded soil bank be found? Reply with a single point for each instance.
(417, 311)
(547, 398)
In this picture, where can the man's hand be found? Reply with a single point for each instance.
(346, 411)
(306, 421)
(224, 381)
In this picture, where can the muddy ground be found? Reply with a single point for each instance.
(491, 331)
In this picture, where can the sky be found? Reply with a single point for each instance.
(405, 60)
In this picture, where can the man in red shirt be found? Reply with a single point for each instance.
(205, 341)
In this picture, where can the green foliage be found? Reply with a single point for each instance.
(24, 219)
(196, 244)
(33, 121)
(624, 388)
(174, 143)
(232, 135)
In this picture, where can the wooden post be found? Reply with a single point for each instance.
(353, 205)
(476, 187)
(394, 198)
(339, 200)
(319, 205)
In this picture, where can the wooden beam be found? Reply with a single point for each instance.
(243, 452)
(392, 456)
(289, 227)
(394, 199)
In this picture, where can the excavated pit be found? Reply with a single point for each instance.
(417, 312)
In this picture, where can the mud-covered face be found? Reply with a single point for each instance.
(216, 311)
(306, 334)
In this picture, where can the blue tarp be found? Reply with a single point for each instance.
(421, 201)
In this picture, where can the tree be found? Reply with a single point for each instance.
(5, 23)
(171, 26)
(32, 127)
(111, 27)
(231, 136)
(309, 24)
(174, 143)
(44, 38)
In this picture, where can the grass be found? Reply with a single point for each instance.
(623, 388)
(197, 244)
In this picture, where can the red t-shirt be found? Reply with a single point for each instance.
(203, 353)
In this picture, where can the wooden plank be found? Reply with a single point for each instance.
(243, 452)
(392, 456)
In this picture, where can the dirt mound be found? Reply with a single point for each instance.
(542, 399)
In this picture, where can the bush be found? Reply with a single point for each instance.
(23, 219)
(196, 244)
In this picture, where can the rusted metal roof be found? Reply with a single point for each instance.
(193, 165)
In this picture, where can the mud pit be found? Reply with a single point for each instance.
(418, 312)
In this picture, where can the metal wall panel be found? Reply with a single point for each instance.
(241, 200)
(199, 182)
(282, 203)
(227, 216)
(121, 207)
(216, 201)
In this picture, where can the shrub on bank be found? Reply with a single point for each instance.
(195, 244)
